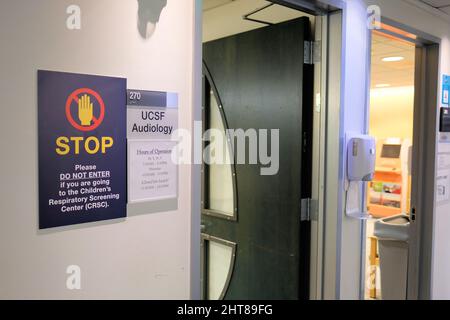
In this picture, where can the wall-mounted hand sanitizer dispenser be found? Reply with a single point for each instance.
(361, 156)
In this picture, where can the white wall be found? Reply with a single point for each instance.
(354, 101)
(145, 257)
(387, 106)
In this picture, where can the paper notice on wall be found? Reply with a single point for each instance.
(443, 161)
(443, 186)
(152, 173)
(445, 90)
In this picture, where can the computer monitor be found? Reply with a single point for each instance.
(391, 151)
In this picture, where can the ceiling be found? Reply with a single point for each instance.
(442, 5)
(223, 18)
(394, 74)
(211, 4)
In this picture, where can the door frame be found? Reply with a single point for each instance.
(423, 184)
(423, 163)
(195, 284)
(330, 176)
(325, 228)
(325, 259)
(298, 31)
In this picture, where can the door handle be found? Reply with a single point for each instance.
(413, 214)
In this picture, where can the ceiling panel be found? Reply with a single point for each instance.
(212, 4)
(223, 18)
(276, 14)
(442, 5)
(395, 74)
(437, 3)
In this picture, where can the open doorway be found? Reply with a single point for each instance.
(256, 77)
(400, 199)
(391, 123)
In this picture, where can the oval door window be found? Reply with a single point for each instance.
(219, 173)
(219, 258)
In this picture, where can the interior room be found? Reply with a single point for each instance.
(391, 123)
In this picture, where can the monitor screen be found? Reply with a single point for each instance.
(391, 151)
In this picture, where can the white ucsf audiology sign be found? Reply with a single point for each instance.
(152, 118)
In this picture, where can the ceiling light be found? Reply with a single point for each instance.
(383, 85)
(393, 59)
